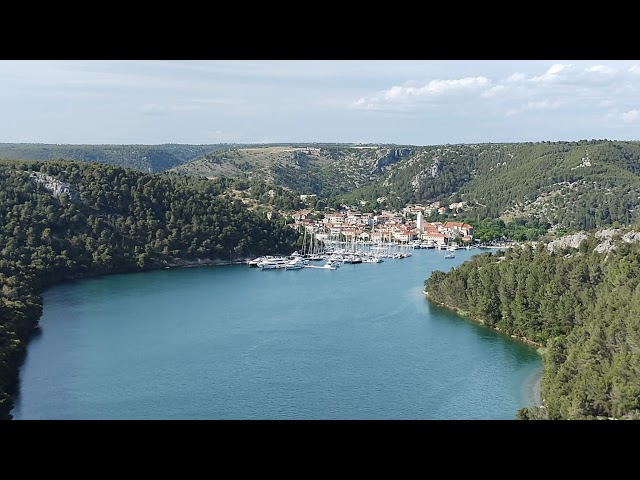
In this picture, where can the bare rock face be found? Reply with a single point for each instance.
(606, 236)
(631, 237)
(606, 240)
(435, 168)
(55, 186)
(605, 246)
(572, 241)
(392, 156)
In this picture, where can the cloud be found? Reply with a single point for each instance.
(398, 96)
(516, 77)
(630, 116)
(493, 91)
(561, 86)
(601, 69)
(554, 73)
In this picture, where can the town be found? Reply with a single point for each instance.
(407, 227)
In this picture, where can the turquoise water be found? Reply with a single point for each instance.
(234, 342)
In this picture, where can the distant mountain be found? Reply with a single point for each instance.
(145, 158)
(320, 169)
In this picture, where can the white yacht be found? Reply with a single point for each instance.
(256, 261)
(329, 265)
(296, 263)
(273, 263)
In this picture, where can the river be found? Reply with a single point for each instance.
(234, 342)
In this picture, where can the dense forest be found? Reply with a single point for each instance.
(62, 220)
(582, 305)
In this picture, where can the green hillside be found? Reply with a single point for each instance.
(319, 169)
(62, 220)
(568, 185)
(581, 304)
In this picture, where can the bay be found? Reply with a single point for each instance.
(234, 342)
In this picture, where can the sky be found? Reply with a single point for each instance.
(403, 102)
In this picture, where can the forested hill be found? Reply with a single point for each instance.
(581, 303)
(66, 220)
(567, 185)
(145, 158)
(570, 185)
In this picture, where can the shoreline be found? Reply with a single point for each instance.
(534, 388)
(466, 315)
(177, 263)
(534, 384)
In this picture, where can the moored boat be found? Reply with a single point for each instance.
(296, 263)
(273, 263)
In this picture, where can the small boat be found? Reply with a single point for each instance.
(372, 260)
(450, 255)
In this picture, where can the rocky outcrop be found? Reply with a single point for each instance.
(393, 156)
(607, 238)
(569, 241)
(609, 235)
(55, 186)
(435, 168)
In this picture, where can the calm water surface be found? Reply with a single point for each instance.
(234, 342)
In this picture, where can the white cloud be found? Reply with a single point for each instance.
(630, 116)
(562, 86)
(362, 103)
(554, 73)
(493, 91)
(412, 96)
(601, 69)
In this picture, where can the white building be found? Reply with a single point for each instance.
(419, 222)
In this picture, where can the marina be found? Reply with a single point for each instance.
(336, 253)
